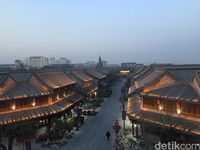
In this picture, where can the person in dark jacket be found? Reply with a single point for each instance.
(108, 135)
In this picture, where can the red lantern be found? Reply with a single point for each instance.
(116, 127)
(158, 101)
(178, 106)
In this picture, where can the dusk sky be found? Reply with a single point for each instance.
(143, 31)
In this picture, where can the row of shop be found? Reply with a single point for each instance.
(166, 97)
(39, 96)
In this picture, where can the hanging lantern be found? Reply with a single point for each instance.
(13, 107)
(158, 101)
(160, 107)
(178, 107)
(33, 103)
(57, 96)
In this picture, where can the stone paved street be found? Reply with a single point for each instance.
(92, 134)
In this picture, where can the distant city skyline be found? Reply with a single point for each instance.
(119, 31)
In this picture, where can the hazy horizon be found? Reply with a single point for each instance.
(119, 31)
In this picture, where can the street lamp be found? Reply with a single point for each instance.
(123, 115)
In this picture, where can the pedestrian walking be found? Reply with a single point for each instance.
(108, 135)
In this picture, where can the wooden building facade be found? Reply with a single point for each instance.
(167, 98)
(27, 96)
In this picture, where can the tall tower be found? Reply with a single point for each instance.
(100, 63)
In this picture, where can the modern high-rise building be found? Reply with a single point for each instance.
(62, 60)
(37, 61)
(52, 60)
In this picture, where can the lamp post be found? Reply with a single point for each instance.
(123, 115)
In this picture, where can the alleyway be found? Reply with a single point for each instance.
(92, 134)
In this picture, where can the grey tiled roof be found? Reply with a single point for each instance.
(55, 79)
(184, 66)
(81, 76)
(149, 77)
(95, 74)
(71, 76)
(179, 91)
(2, 77)
(142, 72)
(183, 74)
(20, 77)
(20, 90)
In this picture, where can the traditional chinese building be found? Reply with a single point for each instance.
(40, 95)
(85, 85)
(168, 98)
(100, 80)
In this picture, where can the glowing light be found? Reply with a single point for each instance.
(178, 107)
(135, 125)
(33, 104)
(179, 111)
(160, 107)
(13, 107)
(124, 71)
